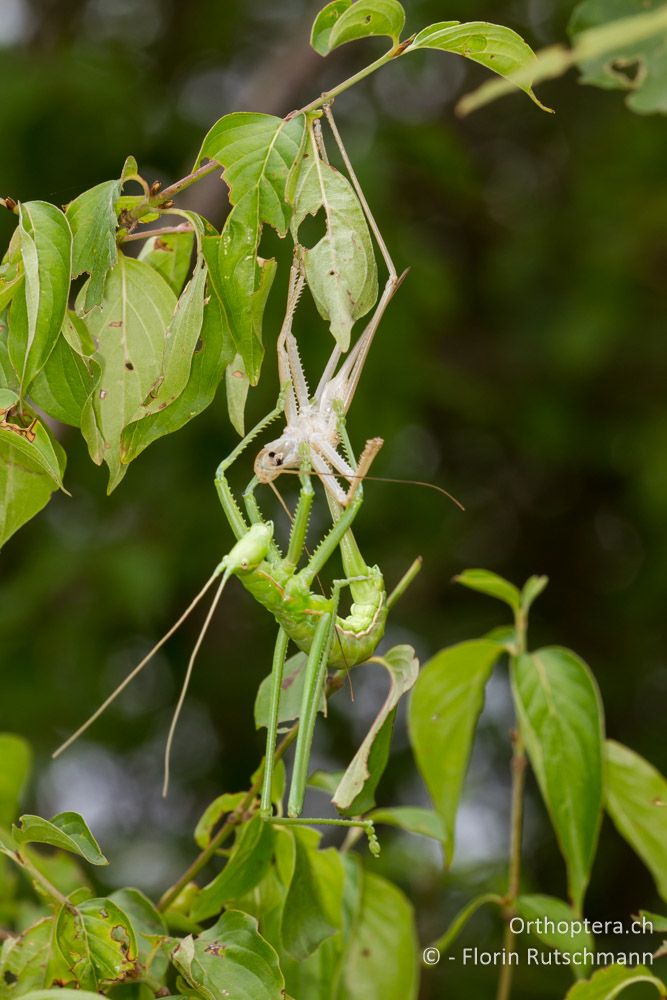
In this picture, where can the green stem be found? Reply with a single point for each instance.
(196, 175)
(163, 199)
(330, 95)
(519, 764)
(146, 234)
(42, 880)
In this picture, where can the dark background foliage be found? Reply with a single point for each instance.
(522, 367)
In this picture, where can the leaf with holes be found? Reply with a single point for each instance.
(257, 152)
(97, 942)
(38, 307)
(148, 925)
(343, 21)
(443, 713)
(560, 712)
(636, 65)
(637, 803)
(340, 269)
(92, 218)
(129, 329)
(32, 960)
(231, 958)
(356, 790)
(491, 45)
(593, 46)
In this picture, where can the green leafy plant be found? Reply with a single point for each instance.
(130, 348)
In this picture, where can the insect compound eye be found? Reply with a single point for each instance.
(244, 564)
(272, 454)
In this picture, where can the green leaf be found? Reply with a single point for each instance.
(340, 268)
(231, 958)
(242, 281)
(312, 911)
(247, 865)
(237, 385)
(497, 48)
(657, 921)
(8, 377)
(69, 376)
(148, 925)
(413, 819)
(382, 947)
(610, 982)
(212, 355)
(130, 329)
(532, 589)
(180, 342)
(97, 942)
(325, 781)
(636, 65)
(356, 791)
(38, 309)
(92, 218)
(16, 757)
(491, 584)
(291, 695)
(344, 21)
(257, 152)
(30, 471)
(545, 913)
(11, 271)
(560, 713)
(67, 830)
(31, 960)
(444, 709)
(57, 994)
(637, 803)
(213, 813)
(591, 45)
(170, 255)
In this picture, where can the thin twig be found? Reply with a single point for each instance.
(519, 764)
(146, 234)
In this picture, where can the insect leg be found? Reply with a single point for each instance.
(229, 504)
(360, 194)
(297, 539)
(279, 654)
(316, 670)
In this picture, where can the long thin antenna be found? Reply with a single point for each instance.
(140, 666)
(382, 479)
(186, 682)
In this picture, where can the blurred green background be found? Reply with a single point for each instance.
(522, 367)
